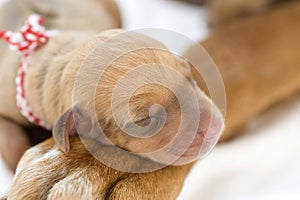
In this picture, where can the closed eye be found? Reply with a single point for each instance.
(143, 128)
(143, 122)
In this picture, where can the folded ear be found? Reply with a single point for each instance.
(70, 124)
(64, 127)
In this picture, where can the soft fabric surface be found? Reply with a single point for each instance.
(263, 164)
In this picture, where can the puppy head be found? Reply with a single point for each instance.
(144, 101)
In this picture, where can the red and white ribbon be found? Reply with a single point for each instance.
(31, 36)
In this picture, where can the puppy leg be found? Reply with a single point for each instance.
(13, 142)
(222, 11)
(37, 171)
(45, 172)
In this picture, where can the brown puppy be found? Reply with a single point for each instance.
(250, 60)
(54, 71)
(102, 15)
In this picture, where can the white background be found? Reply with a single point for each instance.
(264, 164)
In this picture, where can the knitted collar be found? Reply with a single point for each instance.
(25, 42)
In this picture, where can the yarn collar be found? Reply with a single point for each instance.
(31, 36)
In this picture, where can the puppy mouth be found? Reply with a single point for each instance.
(204, 140)
(213, 131)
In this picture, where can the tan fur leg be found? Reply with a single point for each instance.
(47, 173)
(13, 142)
(38, 180)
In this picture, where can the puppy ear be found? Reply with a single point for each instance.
(64, 127)
(70, 124)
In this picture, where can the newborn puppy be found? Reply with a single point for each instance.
(101, 15)
(53, 71)
(251, 62)
(66, 97)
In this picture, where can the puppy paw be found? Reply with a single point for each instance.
(45, 172)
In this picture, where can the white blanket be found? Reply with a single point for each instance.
(264, 164)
